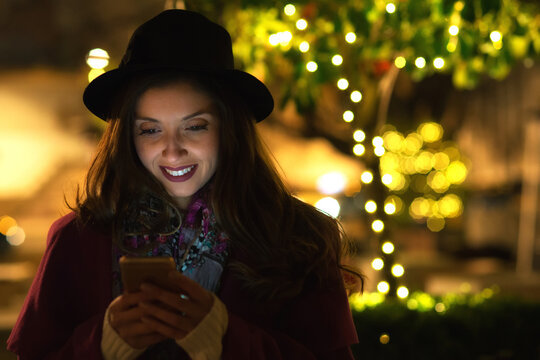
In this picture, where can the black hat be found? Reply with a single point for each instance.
(185, 41)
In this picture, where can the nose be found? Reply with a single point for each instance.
(174, 148)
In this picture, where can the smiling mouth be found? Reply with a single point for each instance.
(179, 172)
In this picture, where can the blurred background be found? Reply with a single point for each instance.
(415, 122)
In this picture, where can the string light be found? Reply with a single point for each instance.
(97, 58)
(329, 205)
(390, 208)
(420, 62)
(379, 151)
(337, 60)
(312, 66)
(398, 270)
(377, 264)
(342, 84)
(370, 206)
(366, 177)
(438, 63)
(402, 292)
(383, 287)
(350, 37)
(400, 62)
(387, 247)
(304, 46)
(359, 135)
(453, 30)
(390, 8)
(377, 141)
(386, 179)
(289, 9)
(384, 339)
(377, 226)
(356, 96)
(359, 149)
(495, 36)
(348, 116)
(301, 24)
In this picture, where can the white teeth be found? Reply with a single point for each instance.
(180, 172)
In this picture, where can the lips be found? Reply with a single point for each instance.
(178, 174)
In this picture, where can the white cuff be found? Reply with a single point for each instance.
(113, 347)
(205, 341)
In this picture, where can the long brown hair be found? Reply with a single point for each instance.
(279, 241)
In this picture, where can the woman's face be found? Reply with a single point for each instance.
(176, 138)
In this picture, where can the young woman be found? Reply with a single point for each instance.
(180, 172)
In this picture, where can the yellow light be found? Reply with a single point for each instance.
(435, 223)
(390, 208)
(387, 247)
(420, 62)
(328, 205)
(453, 30)
(359, 149)
(438, 63)
(430, 131)
(377, 264)
(350, 37)
(438, 181)
(97, 58)
(459, 5)
(456, 172)
(394, 200)
(371, 206)
(359, 135)
(390, 8)
(330, 183)
(451, 47)
(94, 73)
(304, 46)
(342, 84)
(384, 339)
(377, 141)
(301, 24)
(440, 161)
(412, 144)
(356, 96)
(366, 177)
(383, 287)
(400, 62)
(312, 66)
(15, 236)
(283, 38)
(495, 36)
(289, 9)
(450, 206)
(440, 307)
(387, 179)
(402, 292)
(274, 39)
(348, 116)
(497, 45)
(398, 270)
(393, 140)
(6, 223)
(379, 151)
(377, 226)
(337, 60)
(422, 164)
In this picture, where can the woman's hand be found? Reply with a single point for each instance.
(175, 314)
(125, 318)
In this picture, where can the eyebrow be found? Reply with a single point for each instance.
(185, 118)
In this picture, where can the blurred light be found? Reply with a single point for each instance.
(377, 226)
(394, 200)
(366, 177)
(379, 151)
(412, 304)
(440, 307)
(456, 172)
(465, 287)
(15, 236)
(301, 24)
(328, 205)
(377, 264)
(387, 247)
(390, 8)
(359, 149)
(451, 47)
(331, 183)
(94, 73)
(289, 9)
(97, 58)
(377, 141)
(387, 179)
(440, 161)
(420, 62)
(438, 63)
(285, 38)
(342, 84)
(371, 206)
(312, 66)
(438, 181)
(412, 144)
(435, 223)
(384, 338)
(348, 116)
(390, 208)
(453, 30)
(430, 131)
(400, 62)
(422, 164)
(337, 60)
(450, 206)
(6, 223)
(398, 270)
(356, 96)
(273, 39)
(359, 135)
(495, 36)
(383, 287)
(393, 140)
(459, 5)
(304, 46)
(350, 37)
(402, 292)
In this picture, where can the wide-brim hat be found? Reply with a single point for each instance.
(185, 41)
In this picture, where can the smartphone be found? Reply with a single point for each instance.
(155, 270)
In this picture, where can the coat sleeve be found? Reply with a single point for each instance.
(316, 325)
(58, 320)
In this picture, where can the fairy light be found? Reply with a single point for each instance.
(398, 270)
(366, 177)
(356, 96)
(390, 8)
(370, 206)
(390, 208)
(438, 63)
(312, 66)
(383, 287)
(379, 151)
(337, 60)
(384, 339)
(343, 84)
(359, 149)
(420, 62)
(328, 205)
(400, 62)
(387, 247)
(453, 30)
(402, 292)
(289, 9)
(348, 116)
(377, 226)
(97, 58)
(377, 264)
(359, 135)
(377, 141)
(301, 24)
(495, 36)
(387, 179)
(350, 37)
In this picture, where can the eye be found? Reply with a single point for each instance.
(198, 127)
(148, 131)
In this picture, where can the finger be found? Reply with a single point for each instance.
(174, 319)
(126, 301)
(165, 329)
(177, 302)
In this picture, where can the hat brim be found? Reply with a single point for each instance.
(99, 94)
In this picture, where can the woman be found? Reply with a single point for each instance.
(180, 172)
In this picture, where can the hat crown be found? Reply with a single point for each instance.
(180, 38)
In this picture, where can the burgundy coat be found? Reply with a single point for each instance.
(63, 312)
